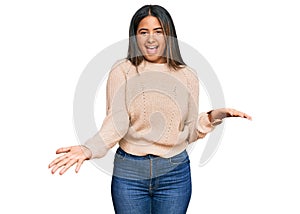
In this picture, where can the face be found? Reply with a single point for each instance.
(151, 40)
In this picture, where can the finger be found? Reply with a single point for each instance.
(60, 164)
(62, 150)
(236, 113)
(230, 112)
(79, 165)
(241, 114)
(56, 160)
(247, 117)
(67, 166)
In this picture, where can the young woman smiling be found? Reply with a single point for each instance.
(152, 113)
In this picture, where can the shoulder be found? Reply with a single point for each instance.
(120, 68)
(191, 72)
(122, 64)
(191, 75)
(118, 71)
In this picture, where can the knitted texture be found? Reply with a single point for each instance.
(151, 109)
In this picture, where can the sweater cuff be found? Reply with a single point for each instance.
(204, 125)
(97, 146)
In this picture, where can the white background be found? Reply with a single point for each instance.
(254, 48)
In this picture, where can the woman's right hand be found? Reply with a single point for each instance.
(73, 155)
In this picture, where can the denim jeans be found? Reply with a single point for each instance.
(151, 184)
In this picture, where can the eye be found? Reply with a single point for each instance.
(159, 32)
(144, 33)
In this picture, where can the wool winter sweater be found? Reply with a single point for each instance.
(151, 109)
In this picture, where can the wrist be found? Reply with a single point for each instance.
(209, 116)
(212, 120)
(87, 152)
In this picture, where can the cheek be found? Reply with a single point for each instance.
(140, 42)
(162, 43)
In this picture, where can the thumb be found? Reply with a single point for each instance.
(62, 150)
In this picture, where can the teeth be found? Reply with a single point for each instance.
(151, 47)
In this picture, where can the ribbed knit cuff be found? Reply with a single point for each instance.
(204, 125)
(97, 146)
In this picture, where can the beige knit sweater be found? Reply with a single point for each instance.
(150, 110)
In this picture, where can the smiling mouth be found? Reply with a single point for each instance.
(151, 49)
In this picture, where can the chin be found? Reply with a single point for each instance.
(154, 59)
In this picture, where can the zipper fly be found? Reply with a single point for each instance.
(150, 179)
(150, 168)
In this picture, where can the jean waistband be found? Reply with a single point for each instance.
(141, 167)
(121, 152)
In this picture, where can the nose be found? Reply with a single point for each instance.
(150, 39)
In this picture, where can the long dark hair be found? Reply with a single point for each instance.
(172, 52)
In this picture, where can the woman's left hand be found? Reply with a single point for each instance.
(221, 113)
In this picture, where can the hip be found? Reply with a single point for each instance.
(134, 167)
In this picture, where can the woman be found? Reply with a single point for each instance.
(152, 113)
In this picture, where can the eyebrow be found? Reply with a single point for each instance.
(157, 28)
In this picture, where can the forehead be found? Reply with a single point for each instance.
(149, 22)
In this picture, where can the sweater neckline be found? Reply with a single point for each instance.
(150, 66)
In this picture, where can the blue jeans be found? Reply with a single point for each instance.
(150, 184)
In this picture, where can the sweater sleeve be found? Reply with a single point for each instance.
(199, 124)
(116, 122)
